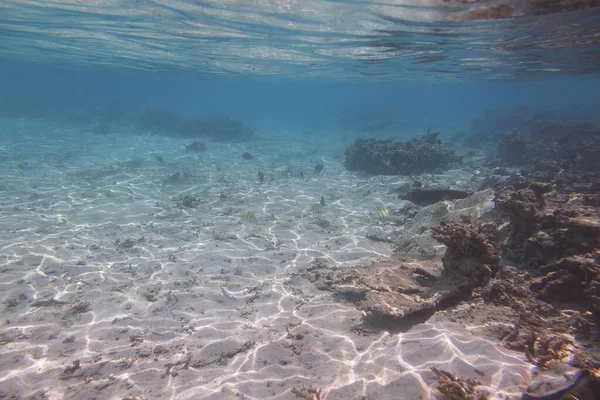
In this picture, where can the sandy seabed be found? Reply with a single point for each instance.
(112, 286)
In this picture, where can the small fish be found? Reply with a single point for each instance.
(248, 216)
(158, 158)
(261, 176)
(247, 156)
(382, 213)
(318, 168)
(322, 202)
(195, 147)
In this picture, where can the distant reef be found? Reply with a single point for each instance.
(564, 153)
(391, 157)
(218, 128)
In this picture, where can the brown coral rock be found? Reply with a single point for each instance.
(523, 208)
(573, 279)
(454, 388)
(472, 251)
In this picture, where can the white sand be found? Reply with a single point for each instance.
(98, 264)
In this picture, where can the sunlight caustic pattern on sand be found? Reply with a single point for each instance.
(109, 286)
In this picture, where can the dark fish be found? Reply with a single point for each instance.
(301, 174)
(158, 158)
(196, 147)
(261, 176)
(247, 156)
(318, 168)
(322, 202)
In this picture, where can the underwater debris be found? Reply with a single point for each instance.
(261, 176)
(247, 156)
(545, 349)
(69, 370)
(318, 168)
(453, 388)
(195, 147)
(382, 213)
(128, 243)
(248, 216)
(187, 201)
(307, 393)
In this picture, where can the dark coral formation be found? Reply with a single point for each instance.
(554, 239)
(572, 279)
(540, 330)
(564, 152)
(523, 207)
(389, 157)
(557, 236)
(472, 252)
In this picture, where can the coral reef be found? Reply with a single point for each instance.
(472, 252)
(389, 157)
(564, 151)
(523, 206)
(572, 279)
(557, 236)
